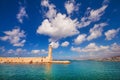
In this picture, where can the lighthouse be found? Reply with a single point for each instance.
(50, 52)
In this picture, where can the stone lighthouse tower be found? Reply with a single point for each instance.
(50, 53)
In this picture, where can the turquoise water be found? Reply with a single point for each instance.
(76, 70)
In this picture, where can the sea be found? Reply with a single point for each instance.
(76, 70)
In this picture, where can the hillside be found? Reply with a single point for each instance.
(115, 58)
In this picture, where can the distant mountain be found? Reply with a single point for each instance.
(115, 58)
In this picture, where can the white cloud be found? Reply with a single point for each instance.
(52, 25)
(19, 43)
(15, 37)
(20, 50)
(115, 48)
(92, 15)
(95, 15)
(21, 14)
(80, 38)
(60, 27)
(39, 51)
(2, 49)
(51, 13)
(65, 44)
(97, 51)
(45, 3)
(110, 34)
(90, 48)
(10, 51)
(76, 49)
(54, 44)
(105, 2)
(96, 31)
(35, 51)
(17, 51)
(44, 51)
(84, 23)
(70, 6)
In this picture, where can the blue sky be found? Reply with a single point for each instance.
(77, 29)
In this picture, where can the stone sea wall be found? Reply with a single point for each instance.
(24, 59)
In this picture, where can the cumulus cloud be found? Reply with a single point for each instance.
(93, 48)
(92, 15)
(54, 44)
(70, 6)
(35, 51)
(45, 3)
(23, 52)
(76, 49)
(51, 13)
(52, 26)
(96, 14)
(39, 51)
(60, 27)
(17, 51)
(65, 44)
(10, 51)
(15, 37)
(115, 48)
(110, 34)
(21, 14)
(96, 31)
(80, 38)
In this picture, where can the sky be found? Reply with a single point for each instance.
(76, 29)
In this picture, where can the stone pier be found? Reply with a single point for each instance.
(47, 59)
